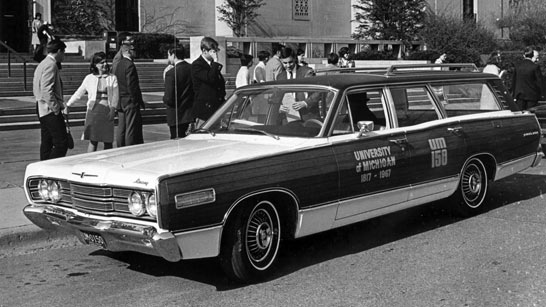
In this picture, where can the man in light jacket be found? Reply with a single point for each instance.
(48, 92)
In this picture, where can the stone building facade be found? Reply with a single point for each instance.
(279, 18)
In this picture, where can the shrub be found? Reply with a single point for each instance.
(375, 55)
(462, 41)
(429, 55)
(153, 45)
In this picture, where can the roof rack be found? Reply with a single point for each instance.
(452, 66)
(393, 69)
(352, 70)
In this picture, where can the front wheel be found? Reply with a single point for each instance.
(470, 195)
(251, 242)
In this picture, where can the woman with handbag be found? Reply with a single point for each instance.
(103, 97)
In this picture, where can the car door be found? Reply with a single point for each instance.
(436, 145)
(478, 105)
(374, 170)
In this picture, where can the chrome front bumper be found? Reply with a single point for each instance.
(118, 235)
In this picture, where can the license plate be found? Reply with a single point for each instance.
(94, 239)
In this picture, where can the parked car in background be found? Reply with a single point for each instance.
(368, 143)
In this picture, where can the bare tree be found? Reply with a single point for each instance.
(526, 21)
(165, 20)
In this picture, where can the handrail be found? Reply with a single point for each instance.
(10, 51)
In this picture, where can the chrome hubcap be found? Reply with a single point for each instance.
(472, 184)
(259, 235)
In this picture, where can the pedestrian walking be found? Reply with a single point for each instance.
(274, 66)
(527, 80)
(102, 101)
(441, 59)
(493, 64)
(243, 74)
(345, 58)
(36, 24)
(179, 95)
(48, 93)
(129, 130)
(45, 34)
(259, 70)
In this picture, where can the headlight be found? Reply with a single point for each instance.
(136, 204)
(43, 189)
(151, 205)
(54, 192)
(49, 190)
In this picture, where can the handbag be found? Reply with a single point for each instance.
(69, 138)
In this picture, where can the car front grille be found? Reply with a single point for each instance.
(104, 199)
(94, 199)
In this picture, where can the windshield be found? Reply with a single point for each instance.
(279, 111)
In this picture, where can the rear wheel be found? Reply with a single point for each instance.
(251, 242)
(470, 195)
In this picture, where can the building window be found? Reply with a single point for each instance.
(301, 9)
(468, 10)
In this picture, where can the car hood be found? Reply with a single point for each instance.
(143, 165)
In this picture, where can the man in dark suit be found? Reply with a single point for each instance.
(307, 107)
(178, 94)
(130, 97)
(208, 83)
(527, 81)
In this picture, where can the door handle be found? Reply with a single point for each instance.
(400, 142)
(456, 130)
(403, 143)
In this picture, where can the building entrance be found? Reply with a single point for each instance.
(14, 25)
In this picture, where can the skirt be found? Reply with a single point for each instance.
(98, 128)
(35, 40)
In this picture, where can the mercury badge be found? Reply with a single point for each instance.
(83, 174)
(138, 181)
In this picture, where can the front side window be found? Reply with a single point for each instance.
(360, 106)
(279, 111)
(413, 105)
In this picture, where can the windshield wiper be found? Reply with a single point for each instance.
(204, 130)
(257, 130)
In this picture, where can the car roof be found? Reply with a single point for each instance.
(345, 78)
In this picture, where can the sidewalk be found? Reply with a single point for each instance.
(18, 148)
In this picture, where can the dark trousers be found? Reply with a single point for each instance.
(526, 104)
(179, 131)
(54, 141)
(129, 127)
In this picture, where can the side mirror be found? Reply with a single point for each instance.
(364, 126)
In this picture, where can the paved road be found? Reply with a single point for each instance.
(418, 257)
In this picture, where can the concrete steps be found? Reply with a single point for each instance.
(26, 118)
(150, 76)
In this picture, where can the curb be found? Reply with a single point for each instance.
(26, 235)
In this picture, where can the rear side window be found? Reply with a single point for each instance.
(466, 98)
(413, 105)
(506, 100)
